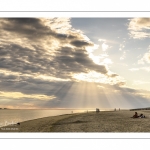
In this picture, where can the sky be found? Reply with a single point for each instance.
(74, 63)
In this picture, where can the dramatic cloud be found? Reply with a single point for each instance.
(139, 28)
(111, 79)
(29, 46)
(41, 58)
(78, 43)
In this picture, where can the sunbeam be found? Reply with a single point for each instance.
(52, 63)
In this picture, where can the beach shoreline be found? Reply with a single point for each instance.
(104, 121)
(35, 125)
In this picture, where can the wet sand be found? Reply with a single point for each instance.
(106, 121)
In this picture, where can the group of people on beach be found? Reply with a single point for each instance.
(136, 115)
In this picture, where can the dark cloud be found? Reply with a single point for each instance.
(32, 28)
(65, 36)
(27, 27)
(79, 43)
(77, 61)
(29, 84)
(29, 49)
(60, 62)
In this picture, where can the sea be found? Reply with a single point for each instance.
(13, 116)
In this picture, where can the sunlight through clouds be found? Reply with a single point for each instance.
(93, 76)
(74, 62)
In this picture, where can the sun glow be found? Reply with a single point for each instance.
(50, 78)
(93, 76)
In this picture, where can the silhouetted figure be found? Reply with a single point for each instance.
(115, 109)
(135, 115)
(119, 109)
(97, 110)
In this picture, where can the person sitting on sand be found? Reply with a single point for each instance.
(135, 115)
(141, 116)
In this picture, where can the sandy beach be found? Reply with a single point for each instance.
(105, 121)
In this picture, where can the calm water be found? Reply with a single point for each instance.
(14, 116)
